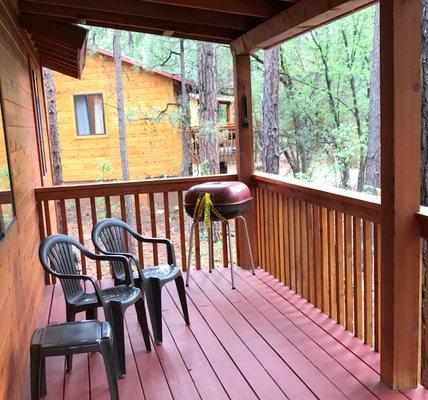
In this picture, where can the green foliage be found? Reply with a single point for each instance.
(324, 91)
(104, 168)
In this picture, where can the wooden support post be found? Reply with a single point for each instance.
(245, 152)
(400, 180)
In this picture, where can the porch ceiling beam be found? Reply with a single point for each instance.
(295, 20)
(134, 23)
(145, 9)
(254, 8)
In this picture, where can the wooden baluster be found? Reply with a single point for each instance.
(332, 263)
(271, 252)
(259, 228)
(325, 261)
(94, 221)
(107, 203)
(42, 235)
(124, 218)
(153, 227)
(166, 215)
(292, 245)
(266, 229)
(197, 247)
(286, 241)
(139, 228)
(297, 245)
(48, 226)
(340, 284)
(377, 302)
(224, 244)
(275, 243)
(63, 226)
(48, 218)
(311, 263)
(318, 257)
(349, 274)
(368, 281)
(358, 282)
(304, 249)
(80, 232)
(281, 244)
(182, 231)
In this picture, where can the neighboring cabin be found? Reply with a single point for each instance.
(88, 127)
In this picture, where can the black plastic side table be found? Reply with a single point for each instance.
(71, 338)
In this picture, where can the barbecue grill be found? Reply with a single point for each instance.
(227, 201)
(230, 199)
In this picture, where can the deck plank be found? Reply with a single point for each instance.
(204, 377)
(254, 372)
(289, 383)
(261, 340)
(231, 377)
(309, 361)
(348, 360)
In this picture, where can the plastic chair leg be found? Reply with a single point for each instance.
(107, 352)
(35, 372)
(118, 336)
(142, 319)
(71, 316)
(179, 283)
(154, 303)
(92, 313)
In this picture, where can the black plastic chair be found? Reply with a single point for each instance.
(67, 339)
(110, 237)
(58, 259)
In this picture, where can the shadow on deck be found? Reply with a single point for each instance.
(258, 341)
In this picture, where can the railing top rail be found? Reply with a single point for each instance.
(346, 201)
(100, 189)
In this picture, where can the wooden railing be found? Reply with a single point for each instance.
(227, 143)
(156, 210)
(325, 245)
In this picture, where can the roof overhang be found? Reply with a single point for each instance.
(61, 46)
(246, 25)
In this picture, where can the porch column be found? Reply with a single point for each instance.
(400, 180)
(244, 151)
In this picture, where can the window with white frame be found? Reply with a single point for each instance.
(89, 114)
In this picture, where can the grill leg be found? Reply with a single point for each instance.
(247, 236)
(229, 236)
(189, 255)
(210, 249)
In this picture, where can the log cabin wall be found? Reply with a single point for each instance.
(21, 277)
(154, 144)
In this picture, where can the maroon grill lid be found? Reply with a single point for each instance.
(222, 193)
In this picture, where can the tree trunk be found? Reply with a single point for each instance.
(53, 127)
(117, 54)
(185, 117)
(208, 118)
(372, 163)
(424, 175)
(269, 140)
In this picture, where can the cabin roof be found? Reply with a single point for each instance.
(135, 63)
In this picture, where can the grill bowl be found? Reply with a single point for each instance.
(230, 199)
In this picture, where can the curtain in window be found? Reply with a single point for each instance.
(98, 115)
(81, 109)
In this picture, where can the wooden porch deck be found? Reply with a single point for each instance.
(260, 341)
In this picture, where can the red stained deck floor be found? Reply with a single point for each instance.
(260, 341)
